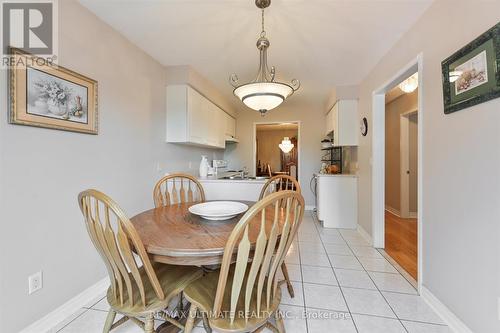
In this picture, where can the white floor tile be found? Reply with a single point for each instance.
(392, 282)
(340, 249)
(101, 305)
(369, 302)
(294, 318)
(377, 265)
(354, 279)
(298, 300)
(325, 231)
(312, 247)
(293, 257)
(293, 272)
(309, 237)
(356, 241)
(93, 321)
(413, 327)
(320, 275)
(329, 322)
(366, 251)
(324, 297)
(345, 262)
(314, 259)
(412, 307)
(368, 324)
(332, 239)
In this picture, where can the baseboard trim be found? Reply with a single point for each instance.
(57, 316)
(310, 207)
(364, 234)
(455, 324)
(393, 210)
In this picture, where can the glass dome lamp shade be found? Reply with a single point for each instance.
(263, 93)
(286, 145)
(410, 84)
(263, 96)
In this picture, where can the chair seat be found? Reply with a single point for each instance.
(202, 293)
(173, 280)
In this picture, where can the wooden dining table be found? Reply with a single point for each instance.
(172, 235)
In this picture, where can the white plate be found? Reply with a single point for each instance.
(218, 210)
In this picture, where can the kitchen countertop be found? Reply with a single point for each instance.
(337, 175)
(220, 178)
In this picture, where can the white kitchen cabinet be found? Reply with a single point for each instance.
(221, 189)
(342, 120)
(337, 201)
(193, 119)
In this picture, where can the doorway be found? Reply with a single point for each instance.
(378, 194)
(401, 172)
(276, 149)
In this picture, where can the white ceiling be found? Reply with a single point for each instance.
(323, 43)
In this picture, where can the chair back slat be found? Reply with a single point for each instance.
(276, 229)
(116, 239)
(279, 183)
(171, 190)
(260, 247)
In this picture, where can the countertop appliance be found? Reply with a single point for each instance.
(337, 200)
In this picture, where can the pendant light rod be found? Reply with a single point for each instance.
(263, 93)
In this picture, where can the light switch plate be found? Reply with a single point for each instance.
(35, 282)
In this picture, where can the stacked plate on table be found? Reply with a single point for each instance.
(218, 210)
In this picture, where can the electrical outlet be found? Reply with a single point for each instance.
(498, 308)
(35, 282)
(190, 165)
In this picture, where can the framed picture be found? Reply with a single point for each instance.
(471, 76)
(46, 95)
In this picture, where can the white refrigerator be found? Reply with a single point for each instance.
(337, 200)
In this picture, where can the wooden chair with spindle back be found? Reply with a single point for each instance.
(276, 184)
(166, 193)
(244, 296)
(139, 288)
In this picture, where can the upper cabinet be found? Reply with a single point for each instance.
(193, 119)
(342, 120)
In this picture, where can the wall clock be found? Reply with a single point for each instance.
(364, 126)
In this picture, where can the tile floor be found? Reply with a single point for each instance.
(341, 285)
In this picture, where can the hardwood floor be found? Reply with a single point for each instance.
(401, 242)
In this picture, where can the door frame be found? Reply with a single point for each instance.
(404, 154)
(299, 139)
(378, 157)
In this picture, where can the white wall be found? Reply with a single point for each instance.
(312, 127)
(461, 182)
(42, 171)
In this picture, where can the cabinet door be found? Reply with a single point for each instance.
(197, 117)
(218, 125)
(328, 123)
(230, 128)
(348, 123)
(335, 124)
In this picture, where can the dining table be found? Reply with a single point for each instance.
(172, 235)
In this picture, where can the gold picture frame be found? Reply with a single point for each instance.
(51, 96)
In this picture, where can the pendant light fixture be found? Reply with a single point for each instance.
(286, 145)
(263, 93)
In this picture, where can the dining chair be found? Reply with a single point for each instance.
(245, 296)
(139, 288)
(276, 184)
(177, 188)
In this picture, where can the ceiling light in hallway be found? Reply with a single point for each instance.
(263, 93)
(410, 84)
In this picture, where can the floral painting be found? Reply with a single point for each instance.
(47, 95)
(53, 97)
(473, 73)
